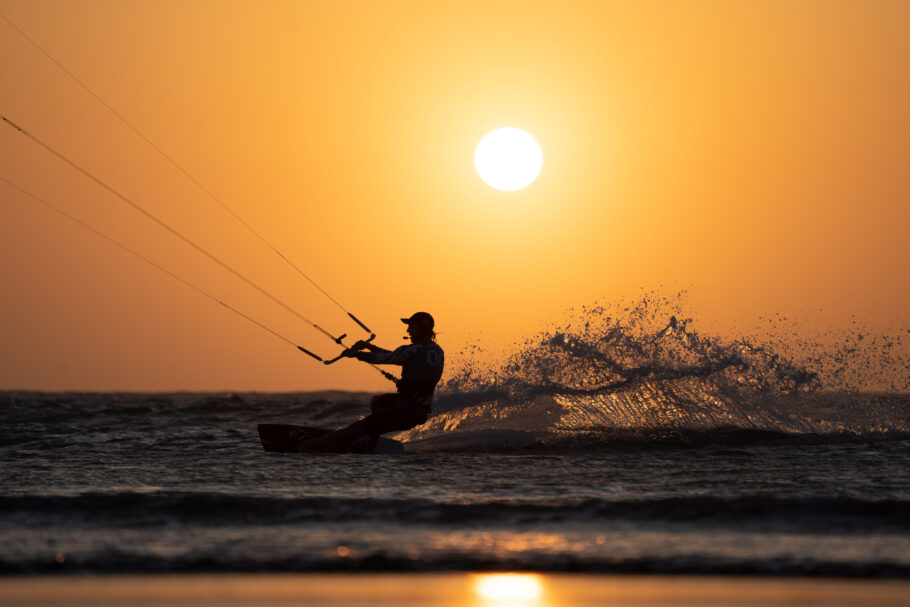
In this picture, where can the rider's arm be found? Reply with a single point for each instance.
(364, 345)
(379, 356)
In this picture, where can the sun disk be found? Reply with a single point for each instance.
(508, 159)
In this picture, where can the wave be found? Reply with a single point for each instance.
(149, 509)
(126, 561)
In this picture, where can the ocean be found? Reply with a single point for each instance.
(576, 453)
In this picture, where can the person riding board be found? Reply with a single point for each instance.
(421, 363)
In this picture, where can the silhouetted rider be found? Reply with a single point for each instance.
(421, 363)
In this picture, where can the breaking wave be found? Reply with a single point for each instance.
(173, 508)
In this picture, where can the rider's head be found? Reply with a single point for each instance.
(420, 327)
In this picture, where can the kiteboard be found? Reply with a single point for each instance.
(284, 438)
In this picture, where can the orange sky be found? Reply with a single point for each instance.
(753, 153)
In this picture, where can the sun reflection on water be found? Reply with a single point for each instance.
(523, 589)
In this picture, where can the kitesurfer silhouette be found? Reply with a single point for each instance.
(421, 368)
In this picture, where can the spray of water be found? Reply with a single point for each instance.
(642, 372)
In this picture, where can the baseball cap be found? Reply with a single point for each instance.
(421, 319)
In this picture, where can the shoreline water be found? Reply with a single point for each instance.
(446, 589)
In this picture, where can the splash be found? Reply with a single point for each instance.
(641, 372)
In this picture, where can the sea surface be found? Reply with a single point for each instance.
(179, 482)
(579, 452)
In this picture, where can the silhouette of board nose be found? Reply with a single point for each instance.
(285, 438)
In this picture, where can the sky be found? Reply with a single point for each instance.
(752, 154)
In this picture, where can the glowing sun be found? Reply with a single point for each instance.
(508, 159)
